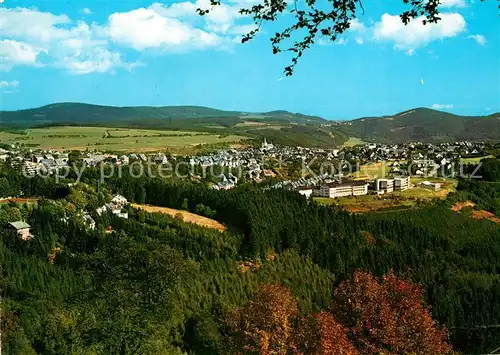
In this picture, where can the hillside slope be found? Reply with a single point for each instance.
(426, 125)
(79, 113)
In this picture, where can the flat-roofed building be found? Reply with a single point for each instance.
(435, 186)
(401, 183)
(384, 185)
(341, 189)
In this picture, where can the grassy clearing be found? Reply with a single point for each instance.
(447, 185)
(372, 171)
(367, 203)
(186, 216)
(474, 160)
(353, 141)
(114, 139)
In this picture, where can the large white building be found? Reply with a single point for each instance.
(401, 183)
(340, 189)
(384, 185)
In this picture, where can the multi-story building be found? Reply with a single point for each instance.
(384, 185)
(341, 189)
(401, 183)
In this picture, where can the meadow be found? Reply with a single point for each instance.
(475, 160)
(112, 139)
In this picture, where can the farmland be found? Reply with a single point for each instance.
(113, 139)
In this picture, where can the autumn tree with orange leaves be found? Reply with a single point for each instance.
(368, 315)
(386, 315)
(265, 324)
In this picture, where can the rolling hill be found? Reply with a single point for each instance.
(426, 125)
(282, 127)
(79, 113)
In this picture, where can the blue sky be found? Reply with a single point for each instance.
(131, 53)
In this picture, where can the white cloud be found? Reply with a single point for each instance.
(177, 27)
(356, 26)
(452, 3)
(359, 40)
(74, 46)
(87, 11)
(146, 28)
(7, 84)
(411, 52)
(32, 25)
(442, 106)
(421, 81)
(14, 53)
(480, 39)
(416, 34)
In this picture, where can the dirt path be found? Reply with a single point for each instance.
(20, 200)
(187, 216)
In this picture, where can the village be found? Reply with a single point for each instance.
(335, 172)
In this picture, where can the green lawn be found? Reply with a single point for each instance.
(449, 185)
(115, 139)
(474, 160)
(366, 203)
(372, 171)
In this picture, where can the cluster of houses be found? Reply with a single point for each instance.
(116, 205)
(47, 163)
(228, 181)
(417, 159)
(93, 159)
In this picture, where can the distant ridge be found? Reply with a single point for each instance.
(418, 124)
(426, 125)
(81, 113)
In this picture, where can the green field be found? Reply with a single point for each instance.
(353, 141)
(372, 171)
(113, 139)
(474, 160)
(449, 185)
(367, 203)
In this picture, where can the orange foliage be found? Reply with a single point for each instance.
(387, 316)
(265, 324)
(321, 334)
(368, 315)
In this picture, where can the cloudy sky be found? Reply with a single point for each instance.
(145, 53)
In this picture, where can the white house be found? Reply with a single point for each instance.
(305, 191)
(435, 186)
(119, 200)
(89, 221)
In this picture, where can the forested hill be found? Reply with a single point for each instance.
(152, 284)
(420, 124)
(86, 114)
(423, 124)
